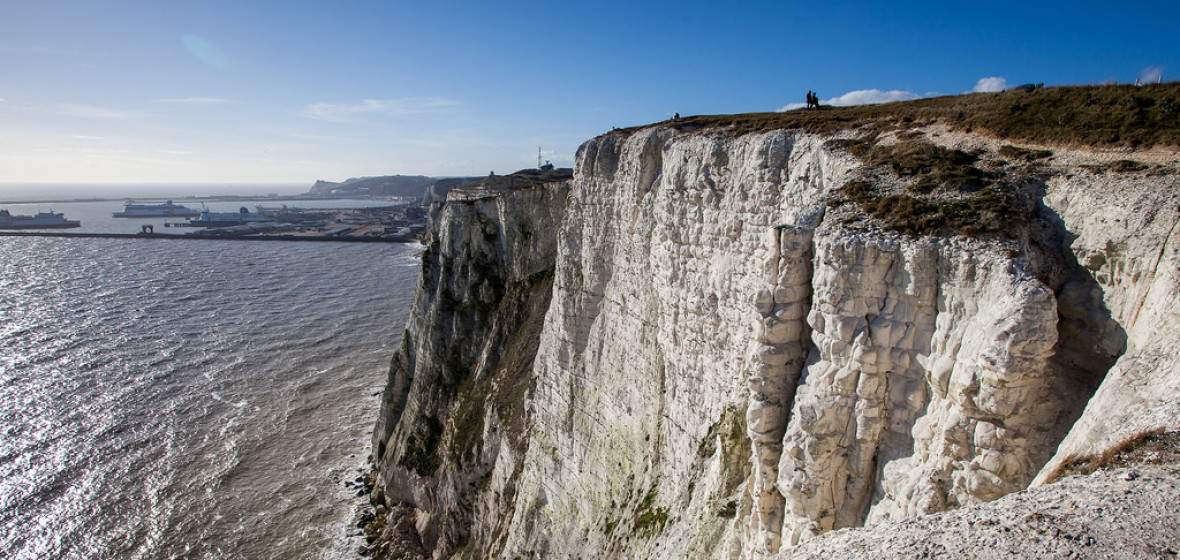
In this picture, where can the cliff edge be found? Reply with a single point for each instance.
(735, 336)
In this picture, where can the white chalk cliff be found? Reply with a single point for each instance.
(698, 348)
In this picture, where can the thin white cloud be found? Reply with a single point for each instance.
(340, 112)
(860, 97)
(1151, 74)
(871, 96)
(198, 101)
(991, 84)
(99, 113)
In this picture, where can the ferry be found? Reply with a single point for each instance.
(226, 219)
(40, 220)
(166, 210)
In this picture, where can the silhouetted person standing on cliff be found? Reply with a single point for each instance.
(812, 100)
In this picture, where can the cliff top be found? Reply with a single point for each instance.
(522, 179)
(1104, 116)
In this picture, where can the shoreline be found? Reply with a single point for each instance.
(321, 238)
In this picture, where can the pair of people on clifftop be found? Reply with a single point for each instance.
(812, 100)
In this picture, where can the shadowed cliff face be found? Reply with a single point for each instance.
(453, 418)
(734, 358)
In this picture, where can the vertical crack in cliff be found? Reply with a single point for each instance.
(1090, 341)
(774, 363)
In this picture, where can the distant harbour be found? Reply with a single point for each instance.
(97, 216)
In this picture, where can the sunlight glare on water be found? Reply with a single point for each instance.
(198, 399)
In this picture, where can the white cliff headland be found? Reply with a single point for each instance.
(801, 334)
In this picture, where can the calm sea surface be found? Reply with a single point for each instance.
(190, 399)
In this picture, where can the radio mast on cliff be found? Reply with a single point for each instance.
(542, 166)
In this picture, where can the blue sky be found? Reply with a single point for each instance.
(247, 91)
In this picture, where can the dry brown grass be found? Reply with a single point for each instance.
(918, 188)
(1104, 116)
(992, 209)
(1149, 447)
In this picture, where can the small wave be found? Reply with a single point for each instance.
(240, 404)
(172, 397)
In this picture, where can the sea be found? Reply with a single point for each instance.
(202, 398)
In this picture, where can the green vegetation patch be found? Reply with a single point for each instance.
(649, 519)
(421, 454)
(609, 527)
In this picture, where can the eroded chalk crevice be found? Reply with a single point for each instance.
(774, 363)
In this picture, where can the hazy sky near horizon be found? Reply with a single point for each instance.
(294, 91)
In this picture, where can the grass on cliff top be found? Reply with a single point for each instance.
(1104, 116)
(519, 180)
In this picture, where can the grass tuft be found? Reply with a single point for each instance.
(1151, 446)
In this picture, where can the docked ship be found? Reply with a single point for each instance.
(165, 210)
(40, 220)
(226, 219)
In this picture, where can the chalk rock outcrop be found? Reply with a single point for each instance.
(734, 361)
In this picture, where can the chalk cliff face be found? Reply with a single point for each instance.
(1124, 234)
(453, 417)
(734, 361)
